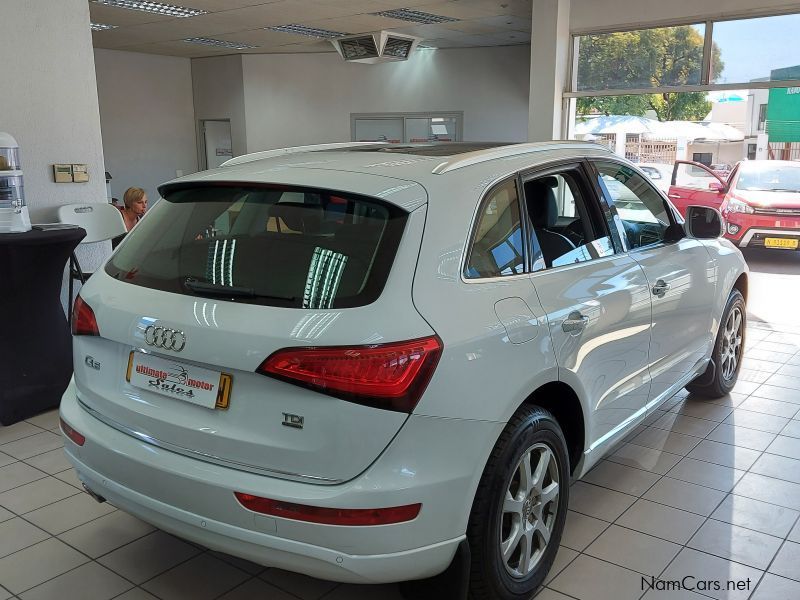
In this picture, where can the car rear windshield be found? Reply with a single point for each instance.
(278, 246)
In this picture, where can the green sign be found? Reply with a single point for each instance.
(783, 110)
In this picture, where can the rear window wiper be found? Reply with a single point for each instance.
(204, 288)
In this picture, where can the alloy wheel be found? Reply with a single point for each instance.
(529, 511)
(731, 350)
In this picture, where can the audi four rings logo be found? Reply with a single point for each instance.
(162, 337)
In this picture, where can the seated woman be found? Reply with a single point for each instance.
(135, 201)
(133, 209)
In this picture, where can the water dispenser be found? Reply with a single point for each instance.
(14, 216)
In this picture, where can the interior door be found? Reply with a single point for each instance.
(681, 276)
(596, 300)
(695, 184)
(217, 142)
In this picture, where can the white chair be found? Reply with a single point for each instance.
(101, 222)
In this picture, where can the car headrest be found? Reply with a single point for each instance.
(541, 200)
(298, 216)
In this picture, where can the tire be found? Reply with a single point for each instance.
(533, 433)
(726, 360)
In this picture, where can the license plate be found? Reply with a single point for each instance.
(780, 243)
(174, 379)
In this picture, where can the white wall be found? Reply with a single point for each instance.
(598, 14)
(219, 94)
(147, 117)
(304, 99)
(48, 99)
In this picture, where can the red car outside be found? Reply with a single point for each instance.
(759, 202)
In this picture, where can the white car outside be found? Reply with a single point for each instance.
(660, 174)
(356, 361)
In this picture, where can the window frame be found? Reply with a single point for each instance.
(671, 212)
(705, 85)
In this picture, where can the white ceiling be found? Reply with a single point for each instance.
(481, 23)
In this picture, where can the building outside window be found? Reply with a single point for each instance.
(762, 117)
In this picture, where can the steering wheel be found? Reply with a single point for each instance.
(574, 232)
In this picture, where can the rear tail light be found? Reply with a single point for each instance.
(83, 321)
(353, 517)
(390, 376)
(71, 433)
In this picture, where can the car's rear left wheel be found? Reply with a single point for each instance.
(520, 508)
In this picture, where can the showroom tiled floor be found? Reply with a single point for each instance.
(710, 489)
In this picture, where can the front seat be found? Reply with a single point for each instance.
(543, 209)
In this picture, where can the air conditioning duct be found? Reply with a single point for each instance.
(371, 48)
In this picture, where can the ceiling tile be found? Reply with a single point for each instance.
(111, 15)
(318, 47)
(175, 29)
(425, 31)
(219, 5)
(519, 8)
(265, 38)
(508, 22)
(510, 38)
(357, 24)
(177, 49)
(461, 9)
(474, 27)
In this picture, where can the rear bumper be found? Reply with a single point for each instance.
(433, 461)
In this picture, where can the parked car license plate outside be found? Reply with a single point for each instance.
(780, 243)
(204, 387)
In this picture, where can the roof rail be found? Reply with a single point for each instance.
(246, 158)
(479, 156)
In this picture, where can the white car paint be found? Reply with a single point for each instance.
(177, 465)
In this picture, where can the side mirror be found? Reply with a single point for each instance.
(703, 222)
(716, 186)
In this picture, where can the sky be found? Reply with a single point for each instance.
(751, 48)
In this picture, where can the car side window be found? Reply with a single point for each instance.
(640, 207)
(497, 247)
(694, 176)
(566, 224)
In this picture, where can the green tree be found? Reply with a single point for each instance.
(663, 57)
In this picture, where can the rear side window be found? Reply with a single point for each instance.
(497, 246)
(287, 246)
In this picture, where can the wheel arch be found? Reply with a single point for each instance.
(563, 402)
(741, 284)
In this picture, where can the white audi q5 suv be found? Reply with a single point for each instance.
(370, 363)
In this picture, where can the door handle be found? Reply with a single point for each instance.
(675, 196)
(660, 288)
(575, 322)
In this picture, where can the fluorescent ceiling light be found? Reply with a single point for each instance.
(219, 43)
(158, 8)
(307, 31)
(415, 16)
(102, 27)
